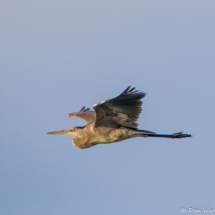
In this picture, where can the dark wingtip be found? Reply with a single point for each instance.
(82, 109)
(126, 90)
(131, 89)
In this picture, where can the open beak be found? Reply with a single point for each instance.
(58, 132)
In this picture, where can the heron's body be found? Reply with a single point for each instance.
(90, 136)
(113, 120)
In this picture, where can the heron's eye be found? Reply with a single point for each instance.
(73, 129)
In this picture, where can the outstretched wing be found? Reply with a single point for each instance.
(85, 114)
(122, 110)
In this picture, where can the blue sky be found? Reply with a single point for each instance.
(57, 56)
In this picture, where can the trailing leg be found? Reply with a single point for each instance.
(142, 133)
(175, 135)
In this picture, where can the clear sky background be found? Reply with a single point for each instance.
(56, 56)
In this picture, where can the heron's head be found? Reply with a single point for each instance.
(70, 131)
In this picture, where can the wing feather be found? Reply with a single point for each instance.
(85, 114)
(122, 110)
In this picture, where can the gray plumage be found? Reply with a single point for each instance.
(113, 120)
(87, 115)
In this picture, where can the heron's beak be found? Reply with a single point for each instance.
(70, 114)
(65, 132)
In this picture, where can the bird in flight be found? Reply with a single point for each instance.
(113, 120)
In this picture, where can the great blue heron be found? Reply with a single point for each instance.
(113, 121)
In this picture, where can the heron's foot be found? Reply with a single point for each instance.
(180, 135)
